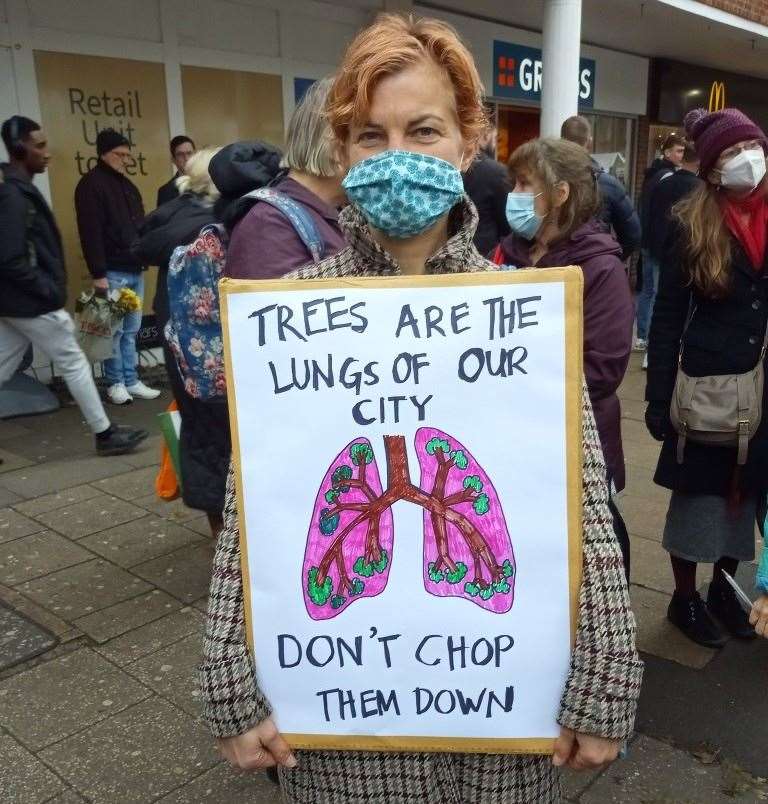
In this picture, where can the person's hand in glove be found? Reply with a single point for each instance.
(657, 420)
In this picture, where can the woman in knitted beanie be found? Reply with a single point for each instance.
(710, 318)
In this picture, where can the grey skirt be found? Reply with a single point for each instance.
(705, 528)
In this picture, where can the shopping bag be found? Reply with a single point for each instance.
(168, 480)
(94, 325)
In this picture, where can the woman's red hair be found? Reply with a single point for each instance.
(392, 43)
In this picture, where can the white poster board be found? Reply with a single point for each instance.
(408, 464)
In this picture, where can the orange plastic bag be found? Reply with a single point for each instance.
(167, 485)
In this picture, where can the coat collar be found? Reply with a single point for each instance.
(453, 256)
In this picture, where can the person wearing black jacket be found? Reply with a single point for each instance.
(33, 285)
(710, 318)
(182, 149)
(617, 213)
(487, 184)
(109, 211)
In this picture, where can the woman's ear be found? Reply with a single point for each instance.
(468, 156)
(562, 193)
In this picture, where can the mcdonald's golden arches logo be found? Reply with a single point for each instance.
(717, 96)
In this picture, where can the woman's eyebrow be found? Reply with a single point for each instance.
(424, 118)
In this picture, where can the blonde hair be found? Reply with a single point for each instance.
(309, 144)
(708, 244)
(554, 161)
(196, 179)
(392, 43)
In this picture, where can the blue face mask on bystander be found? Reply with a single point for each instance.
(403, 193)
(521, 214)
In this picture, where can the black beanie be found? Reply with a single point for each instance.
(109, 139)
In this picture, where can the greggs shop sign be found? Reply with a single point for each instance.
(517, 71)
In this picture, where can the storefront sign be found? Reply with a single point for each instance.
(518, 74)
(405, 586)
(717, 96)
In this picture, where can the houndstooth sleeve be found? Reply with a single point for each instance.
(232, 700)
(603, 685)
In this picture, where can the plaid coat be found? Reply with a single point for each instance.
(603, 685)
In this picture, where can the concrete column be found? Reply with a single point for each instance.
(560, 64)
(170, 10)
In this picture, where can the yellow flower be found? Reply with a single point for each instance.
(128, 300)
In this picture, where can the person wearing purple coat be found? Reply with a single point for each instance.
(552, 212)
(264, 244)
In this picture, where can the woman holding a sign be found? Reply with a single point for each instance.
(406, 110)
(706, 364)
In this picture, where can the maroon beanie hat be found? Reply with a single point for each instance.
(713, 132)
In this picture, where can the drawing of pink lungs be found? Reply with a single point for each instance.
(467, 549)
(349, 543)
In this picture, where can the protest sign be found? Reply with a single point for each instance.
(408, 467)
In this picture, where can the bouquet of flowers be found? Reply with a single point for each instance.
(97, 318)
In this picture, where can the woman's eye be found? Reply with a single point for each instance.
(425, 131)
(368, 136)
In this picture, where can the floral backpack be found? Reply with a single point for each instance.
(193, 331)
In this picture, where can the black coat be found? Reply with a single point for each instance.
(176, 223)
(618, 212)
(653, 174)
(671, 188)
(109, 213)
(725, 336)
(487, 184)
(168, 191)
(33, 279)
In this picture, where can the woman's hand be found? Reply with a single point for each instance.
(584, 751)
(260, 748)
(759, 615)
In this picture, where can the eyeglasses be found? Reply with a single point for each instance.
(735, 150)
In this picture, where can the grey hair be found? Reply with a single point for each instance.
(309, 145)
(196, 178)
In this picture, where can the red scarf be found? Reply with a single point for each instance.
(747, 218)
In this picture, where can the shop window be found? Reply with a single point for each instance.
(612, 137)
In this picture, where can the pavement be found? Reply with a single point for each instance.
(118, 580)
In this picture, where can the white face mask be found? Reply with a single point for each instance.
(744, 171)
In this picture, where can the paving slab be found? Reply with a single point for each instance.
(136, 483)
(39, 554)
(172, 672)
(657, 636)
(11, 461)
(70, 797)
(8, 497)
(185, 574)
(115, 620)
(650, 565)
(199, 525)
(21, 638)
(63, 630)
(173, 510)
(657, 773)
(148, 454)
(14, 525)
(149, 638)
(91, 516)
(81, 590)
(56, 699)
(10, 428)
(140, 540)
(136, 756)
(59, 499)
(223, 785)
(644, 516)
(53, 476)
(23, 778)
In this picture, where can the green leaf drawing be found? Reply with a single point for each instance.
(460, 459)
(357, 587)
(471, 589)
(340, 474)
(337, 601)
(458, 576)
(435, 575)
(381, 564)
(360, 453)
(362, 567)
(318, 594)
(481, 504)
(486, 593)
(502, 587)
(473, 482)
(507, 568)
(332, 495)
(438, 443)
(327, 524)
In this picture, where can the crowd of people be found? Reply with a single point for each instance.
(407, 100)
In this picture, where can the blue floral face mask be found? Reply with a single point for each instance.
(521, 214)
(402, 193)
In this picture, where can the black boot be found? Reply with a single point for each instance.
(690, 615)
(722, 602)
(119, 439)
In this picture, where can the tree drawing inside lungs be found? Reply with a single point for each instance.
(467, 549)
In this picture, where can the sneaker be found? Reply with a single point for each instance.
(722, 602)
(121, 439)
(640, 345)
(141, 391)
(118, 394)
(691, 616)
